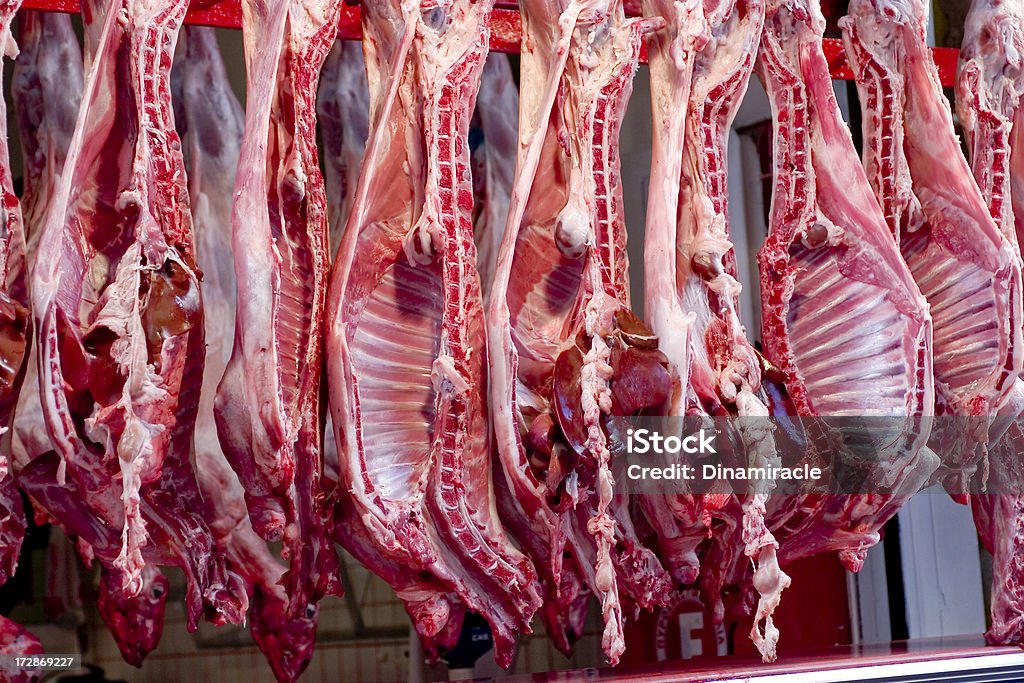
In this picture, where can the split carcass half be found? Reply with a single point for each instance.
(965, 266)
(404, 337)
(15, 324)
(210, 122)
(841, 315)
(522, 493)
(989, 92)
(343, 110)
(47, 90)
(677, 522)
(117, 307)
(268, 407)
(567, 355)
(692, 292)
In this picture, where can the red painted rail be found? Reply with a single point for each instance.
(505, 30)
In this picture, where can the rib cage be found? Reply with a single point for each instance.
(392, 353)
(836, 331)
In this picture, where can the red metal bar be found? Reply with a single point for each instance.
(945, 59)
(505, 31)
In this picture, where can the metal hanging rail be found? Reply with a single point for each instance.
(506, 29)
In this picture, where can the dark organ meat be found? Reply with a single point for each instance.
(565, 349)
(119, 318)
(268, 409)
(967, 269)
(989, 102)
(405, 324)
(842, 318)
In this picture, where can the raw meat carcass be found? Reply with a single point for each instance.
(607, 364)
(268, 408)
(678, 523)
(965, 266)
(343, 110)
(493, 137)
(989, 92)
(999, 517)
(15, 324)
(16, 640)
(425, 598)
(566, 352)
(961, 258)
(135, 620)
(118, 311)
(990, 88)
(690, 274)
(522, 493)
(404, 337)
(47, 91)
(210, 121)
(842, 318)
